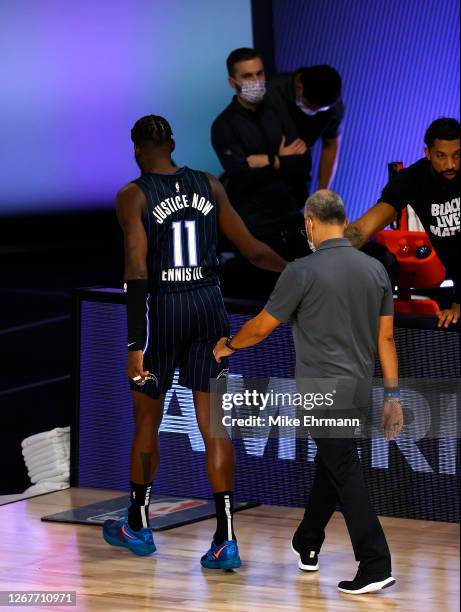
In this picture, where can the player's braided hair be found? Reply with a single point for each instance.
(151, 128)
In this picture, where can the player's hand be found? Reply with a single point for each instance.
(221, 350)
(391, 419)
(297, 147)
(135, 367)
(447, 317)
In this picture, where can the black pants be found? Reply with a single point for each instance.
(339, 479)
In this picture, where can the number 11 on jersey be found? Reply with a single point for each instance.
(191, 243)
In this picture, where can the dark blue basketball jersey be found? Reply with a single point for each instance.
(181, 223)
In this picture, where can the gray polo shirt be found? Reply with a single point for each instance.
(333, 298)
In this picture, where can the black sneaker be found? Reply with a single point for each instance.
(363, 584)
(308, 559)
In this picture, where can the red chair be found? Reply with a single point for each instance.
(415, 272)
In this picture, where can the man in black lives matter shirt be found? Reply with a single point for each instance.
(432, 187)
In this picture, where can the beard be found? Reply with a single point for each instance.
(442, 179)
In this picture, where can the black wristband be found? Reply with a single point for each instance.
(136, 312)
(229, 345)
(271, 157)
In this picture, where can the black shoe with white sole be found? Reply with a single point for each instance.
(364, 584)
(308, 559)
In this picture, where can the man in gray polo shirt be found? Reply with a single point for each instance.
(340, 304)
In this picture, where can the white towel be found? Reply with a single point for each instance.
(44, 465)
(45, 486)
(60, 478)
(64, 477)
(33, 453)
(51, 446)
(40, 445)
(44, 436)
(49, 472)
(37, 468)
(50, 455)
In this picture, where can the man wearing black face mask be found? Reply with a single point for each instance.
(432, 187)
(312, 98)
(266, 166)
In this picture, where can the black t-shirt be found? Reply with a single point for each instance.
(262, 196)
(325, 125)
(436, 202)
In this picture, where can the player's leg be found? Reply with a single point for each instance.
(223, 553)
(134, 532)
(219, 459)
(160, 360)
(197, 369)
(148, 414)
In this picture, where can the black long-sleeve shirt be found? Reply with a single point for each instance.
(265, 195)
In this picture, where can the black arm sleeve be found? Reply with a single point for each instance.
(137, 311)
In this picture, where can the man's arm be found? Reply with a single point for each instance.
(234, 159)
(392, 416)
(232, 226)
(328, 162)
(282, 304)
(374, 220)
(130, 205)
(253, 332)
(288, 156)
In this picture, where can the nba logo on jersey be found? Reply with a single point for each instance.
(177, 186)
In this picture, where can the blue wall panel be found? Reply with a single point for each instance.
(418, 480)
(400, 67)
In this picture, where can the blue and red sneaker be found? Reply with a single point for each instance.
(225, 556)
(119, 533)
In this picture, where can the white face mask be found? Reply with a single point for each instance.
(308, 111)
(252, 91)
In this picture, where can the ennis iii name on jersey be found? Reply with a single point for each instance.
(181, 224)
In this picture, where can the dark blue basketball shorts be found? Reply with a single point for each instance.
(182, 331)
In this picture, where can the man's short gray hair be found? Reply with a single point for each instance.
(326, 206)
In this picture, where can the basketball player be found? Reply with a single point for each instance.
(175, 315)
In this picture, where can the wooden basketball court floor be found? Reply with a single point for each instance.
(36, 555)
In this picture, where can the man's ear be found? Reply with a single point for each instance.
(173, 145)
(231, 82)
(427, 153)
